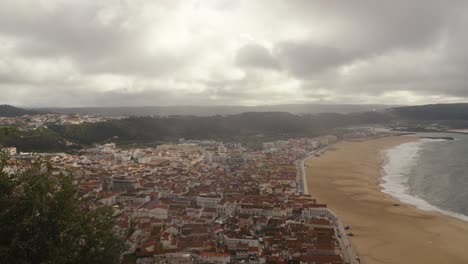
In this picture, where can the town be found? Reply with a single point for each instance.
(31, 122)
(204, 201)
(251, 132)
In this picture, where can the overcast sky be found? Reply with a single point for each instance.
(226, 52)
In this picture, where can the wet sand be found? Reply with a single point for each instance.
(348, 178)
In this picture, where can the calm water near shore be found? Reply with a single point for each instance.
(431, 174)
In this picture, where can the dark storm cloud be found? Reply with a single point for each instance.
(136, 52)
(431, 32)
(153, 65)
(75, 30)
(377, 26)
(307, 59)
(366, 29)
(78, 97)
(70, 29)
(257, 56)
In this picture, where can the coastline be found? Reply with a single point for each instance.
(386, 230)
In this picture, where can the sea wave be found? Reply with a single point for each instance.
(398, 164)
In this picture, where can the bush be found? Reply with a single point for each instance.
(43, 220)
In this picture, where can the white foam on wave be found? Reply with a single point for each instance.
(399, 161)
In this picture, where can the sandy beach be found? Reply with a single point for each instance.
(348, 178)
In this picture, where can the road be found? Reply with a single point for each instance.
(300, 176)
(349, 255)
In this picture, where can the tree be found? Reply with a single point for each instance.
(43, 220)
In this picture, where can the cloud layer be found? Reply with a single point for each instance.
(207, 52)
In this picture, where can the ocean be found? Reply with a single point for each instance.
(431, 174)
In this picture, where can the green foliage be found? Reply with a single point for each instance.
(146, 130)
(42, 220)
(39, 140)
(9, 131)
(153, 129)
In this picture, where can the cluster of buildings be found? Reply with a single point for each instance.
(202, 201)
(37, 121)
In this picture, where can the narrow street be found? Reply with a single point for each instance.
(349, 255)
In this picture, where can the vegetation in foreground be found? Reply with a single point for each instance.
(43, 220)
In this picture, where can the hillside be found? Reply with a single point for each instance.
(217, 110)
(251, 124)
(233, 127)
(431, 112)
(11, 111)
(244, 127)
(39, 140)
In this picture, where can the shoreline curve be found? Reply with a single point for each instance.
(386, 230)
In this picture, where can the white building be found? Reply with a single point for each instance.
(232, 240)
(214, 257)
(208, 200)
(154, 210)
(314, 212)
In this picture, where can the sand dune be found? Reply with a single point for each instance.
(348, 178)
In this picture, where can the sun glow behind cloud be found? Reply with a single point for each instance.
(231, 52)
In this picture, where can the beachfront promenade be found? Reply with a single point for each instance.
(349, 255)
